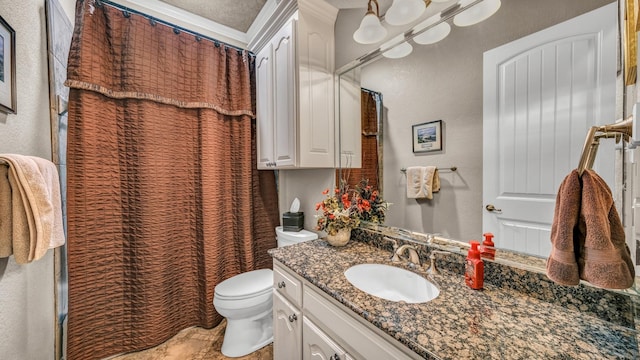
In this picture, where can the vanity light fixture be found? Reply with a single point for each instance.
(434, 34)
(370, 30)
(403, 12)
(398, 51)
(476, 13)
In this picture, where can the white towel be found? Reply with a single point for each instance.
(36, 208)
(415, 182)
(422, 182)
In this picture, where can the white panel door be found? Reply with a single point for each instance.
(317, 345)
(287, 329)
(350, 103)
(264, 107)
(285, 89)
(316, 111)
(541, 95)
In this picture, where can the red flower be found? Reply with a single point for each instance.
(345, 200)
(325, 192)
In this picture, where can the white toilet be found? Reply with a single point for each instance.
(246, 300)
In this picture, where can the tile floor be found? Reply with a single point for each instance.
(194, 344)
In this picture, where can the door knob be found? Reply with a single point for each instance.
(490, 207)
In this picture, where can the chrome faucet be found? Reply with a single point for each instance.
(433, 269)
(413, 254)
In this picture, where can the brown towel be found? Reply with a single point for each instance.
(35, 202)
(562, 266)
(605, 260)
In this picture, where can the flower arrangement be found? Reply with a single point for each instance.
(345, 208)
(373, 207)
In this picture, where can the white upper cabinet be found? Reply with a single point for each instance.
(295, 91)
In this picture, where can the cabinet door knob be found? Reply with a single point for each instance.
(293, 317)
(281, 284)
(335, 357)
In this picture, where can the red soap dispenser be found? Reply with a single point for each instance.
(487, 249)
(474, 268)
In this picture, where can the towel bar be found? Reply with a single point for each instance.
(622, 129)
(453, 168)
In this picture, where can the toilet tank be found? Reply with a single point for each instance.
(293, 237)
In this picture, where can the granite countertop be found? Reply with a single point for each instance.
(461, 323)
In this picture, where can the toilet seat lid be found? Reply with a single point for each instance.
(246, 284)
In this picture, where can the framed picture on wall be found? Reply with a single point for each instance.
(7, 68)
(427, 136)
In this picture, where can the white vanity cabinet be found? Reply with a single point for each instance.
(287, 317)
(328, 330)
(295, 91)
(317, 345)
(287, 329)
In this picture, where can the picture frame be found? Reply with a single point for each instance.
(427, 136)
(7, 68)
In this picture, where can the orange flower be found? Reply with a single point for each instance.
(325, 192)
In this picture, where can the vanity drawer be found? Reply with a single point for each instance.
(287, 285)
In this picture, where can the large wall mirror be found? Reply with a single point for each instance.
(444, 81)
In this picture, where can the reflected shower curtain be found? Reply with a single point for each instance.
(164, 199)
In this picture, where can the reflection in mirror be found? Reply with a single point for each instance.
(363, 158)
(444, 81)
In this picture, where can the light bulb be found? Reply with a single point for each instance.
(403, 12)
(477, 13)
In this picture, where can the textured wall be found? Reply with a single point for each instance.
(27, 317)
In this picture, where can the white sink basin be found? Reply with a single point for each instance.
(391, 283)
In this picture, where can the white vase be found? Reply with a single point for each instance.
(339, 239)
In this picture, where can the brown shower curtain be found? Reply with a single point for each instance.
(164, 199)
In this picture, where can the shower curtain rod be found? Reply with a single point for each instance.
(126, 10)
(370, 91)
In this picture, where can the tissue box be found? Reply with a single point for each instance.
(292, 221)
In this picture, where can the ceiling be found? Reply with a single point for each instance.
(232, 13)
(240, 14)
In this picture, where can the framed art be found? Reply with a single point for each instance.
(7, 68)
(427, 136)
